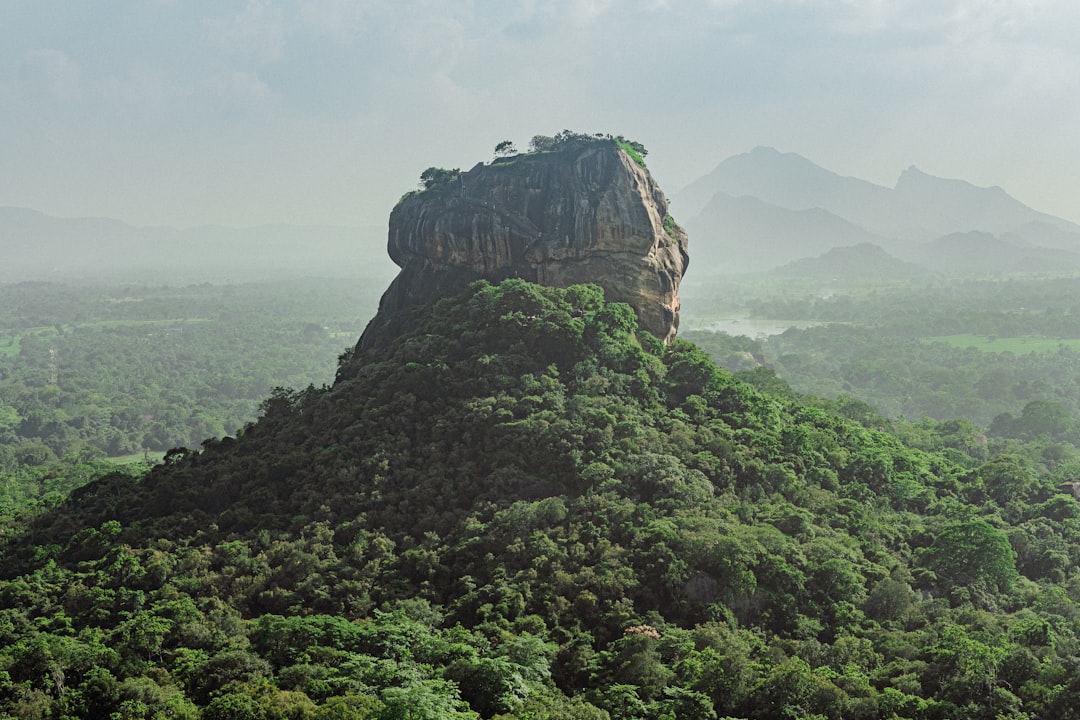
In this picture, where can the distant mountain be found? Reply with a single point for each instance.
(36, 246)
(778, 235)
(918, 209)
(784, 179)
(925, 206)
(982, 253)
(864, 261)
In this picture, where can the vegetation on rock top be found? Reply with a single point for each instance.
(436, 177)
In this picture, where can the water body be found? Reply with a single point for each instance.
(756, 328)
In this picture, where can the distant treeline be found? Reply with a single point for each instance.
(94, 371)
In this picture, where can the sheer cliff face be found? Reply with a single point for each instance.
(583, 214)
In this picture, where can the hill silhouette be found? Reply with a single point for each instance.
(979, 252)
(789, 208)
(752, 235)
(866, 262)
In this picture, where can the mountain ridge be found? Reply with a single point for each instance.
(918, 209)
(777, 232)
(866, 261)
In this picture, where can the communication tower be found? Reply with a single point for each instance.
(54, 374)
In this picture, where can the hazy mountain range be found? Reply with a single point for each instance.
(764, 209)
(759, 211)
(865, 260)
(35, 246)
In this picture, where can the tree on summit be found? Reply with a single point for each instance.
(434, 176)
(505, 149)
(541, 143)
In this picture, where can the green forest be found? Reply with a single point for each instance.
(1000, 357)
(92, 372)
(525, 507)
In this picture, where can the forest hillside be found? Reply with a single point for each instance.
(527, 507)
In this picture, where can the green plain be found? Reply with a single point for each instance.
(153, 456)
(1015, 345)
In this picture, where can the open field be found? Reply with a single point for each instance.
(153, 457)
(10, 344)
(136, 323)
(1015, 345)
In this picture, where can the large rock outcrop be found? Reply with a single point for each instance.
(584, 212)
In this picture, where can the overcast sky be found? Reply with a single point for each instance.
(245, 112)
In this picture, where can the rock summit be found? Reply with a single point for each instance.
(582, 210)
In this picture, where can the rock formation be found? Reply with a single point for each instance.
(585, 211)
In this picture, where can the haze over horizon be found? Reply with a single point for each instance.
(253, 112)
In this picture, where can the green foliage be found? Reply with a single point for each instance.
(637, 153)
(143, 369)
(669, 226)
(1039, 418)
(505, 149)
(526, 508)
(886, 345)
(435, 177)
(541, 143)
(971, 553)
(151, 368)
(570, 139)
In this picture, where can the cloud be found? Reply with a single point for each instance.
(955, 21)
(435, 44)
(880, 84)
(583, 12)
(54, 72)
(142, 92)
(256, 33)
(242, 87)
(340, 20)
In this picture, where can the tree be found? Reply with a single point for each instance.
(635, 150)
(972, 552)
(792, 689)
(505, 148)
(1008, 478)
(633, 145)
(888, 600)
(434, 177)
(234, 706)
(965, 667)
(424, 700)
(686, 704)
(349, 707)
(489, 685)
(541, 143)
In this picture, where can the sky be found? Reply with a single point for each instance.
(324, 112)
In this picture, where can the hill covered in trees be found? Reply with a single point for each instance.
(526, 507)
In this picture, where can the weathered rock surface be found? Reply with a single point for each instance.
(583, 213)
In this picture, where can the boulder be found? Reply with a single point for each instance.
(585, 212)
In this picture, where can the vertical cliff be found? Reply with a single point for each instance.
(583, 212)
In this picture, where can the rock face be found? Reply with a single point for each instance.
(582, 213)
